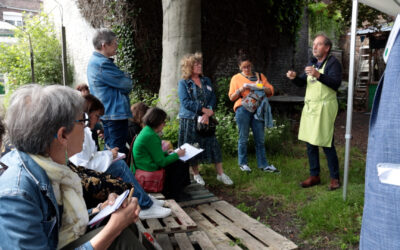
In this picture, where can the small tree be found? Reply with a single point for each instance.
(15, 58)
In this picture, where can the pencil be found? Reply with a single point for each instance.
(130, 194)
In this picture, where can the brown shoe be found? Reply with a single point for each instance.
(311, 181)
(335, 184)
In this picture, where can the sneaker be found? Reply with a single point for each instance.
(224, 179)
(245, 168)
(157, 202)
(271, 169)
(154, 212)
(199, 179)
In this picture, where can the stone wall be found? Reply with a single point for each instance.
(223, 36)
(79, 35)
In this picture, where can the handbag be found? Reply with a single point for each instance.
(151, 182)
(206, 129)
(252, 101)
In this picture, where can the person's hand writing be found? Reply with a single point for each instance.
(291, 74)
(114, 152)
(127, 214)
(181, 152)
(100, 133)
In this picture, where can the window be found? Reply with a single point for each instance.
(13, 18)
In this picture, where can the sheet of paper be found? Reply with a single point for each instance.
(191, 151)
(120, 156)
(109, 209)
(252, 86)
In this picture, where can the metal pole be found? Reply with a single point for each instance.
(64, 55)
(32, 59)
(350, 96)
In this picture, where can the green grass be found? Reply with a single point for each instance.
(321, 215)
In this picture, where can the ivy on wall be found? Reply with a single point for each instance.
(323, 20)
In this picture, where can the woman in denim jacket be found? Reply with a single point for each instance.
(198, 101)
(41, 201)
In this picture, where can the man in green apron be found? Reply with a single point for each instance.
(323, 76)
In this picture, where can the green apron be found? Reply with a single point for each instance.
(319, 113)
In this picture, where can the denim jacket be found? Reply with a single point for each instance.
(29, 215)
(111, 85)
(190, 107)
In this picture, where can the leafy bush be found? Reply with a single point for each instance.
(15, 58)
(140, 95)
(171, 131)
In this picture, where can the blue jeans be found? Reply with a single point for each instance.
(116, 133)
(120, 169)
(331, 156)
(245, 120)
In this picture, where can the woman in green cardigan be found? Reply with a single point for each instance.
(149, 156)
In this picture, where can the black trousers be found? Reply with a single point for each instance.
(176, 179)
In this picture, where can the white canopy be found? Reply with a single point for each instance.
(390, 7)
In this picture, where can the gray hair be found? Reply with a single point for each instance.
(103, 36)
(36, 113)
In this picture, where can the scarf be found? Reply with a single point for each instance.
(68, 192)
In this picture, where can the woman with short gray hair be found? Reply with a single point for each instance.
(41, 201)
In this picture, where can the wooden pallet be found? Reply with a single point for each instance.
(185, 241)
(178, 221)
(229, 228)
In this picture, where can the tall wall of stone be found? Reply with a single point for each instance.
(79, 35)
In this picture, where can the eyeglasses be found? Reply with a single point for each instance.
(85, 120)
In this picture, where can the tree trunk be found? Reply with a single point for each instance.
(181, 35)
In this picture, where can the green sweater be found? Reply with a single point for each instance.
(148, 153)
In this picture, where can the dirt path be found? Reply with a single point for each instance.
(360, 126)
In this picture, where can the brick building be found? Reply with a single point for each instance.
(11, 10)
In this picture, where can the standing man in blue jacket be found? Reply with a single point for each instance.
(112, 86)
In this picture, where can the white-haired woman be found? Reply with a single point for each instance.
(41, 202)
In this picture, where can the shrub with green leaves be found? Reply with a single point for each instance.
(15, 58)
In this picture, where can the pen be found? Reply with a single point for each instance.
(130, 194)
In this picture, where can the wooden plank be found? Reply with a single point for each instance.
(198, 201)
(158, 196)
(171, 224)
(155, 226)
(218, 238)
(202, 239)
(181, 215)
(164, 241)
(242, 237)
(257, 229)
(183, 241)
(214, 215)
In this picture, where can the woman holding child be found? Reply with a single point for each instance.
(245, 119)
(197, 103)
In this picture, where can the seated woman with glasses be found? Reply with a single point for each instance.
(41, 202)
(148, 155)
(105, 161)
